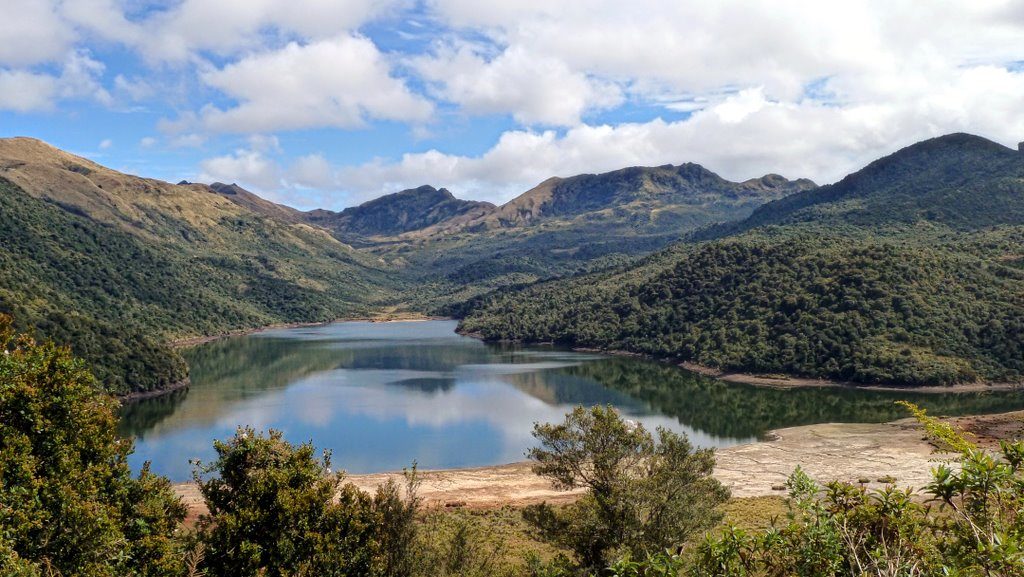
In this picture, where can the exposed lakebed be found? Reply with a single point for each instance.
(381, 395)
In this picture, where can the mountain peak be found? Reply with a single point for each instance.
(962, 180)
(397, 213)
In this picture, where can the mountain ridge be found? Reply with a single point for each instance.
(931, 171)
(906, 272)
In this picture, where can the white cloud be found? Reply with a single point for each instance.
(23, 91)
(147, 142)
(32, 31)
(27, 91)
(106, 143)
(341, 82)
(740, 137)
(185, 30)
(246, 166)
(533, 88)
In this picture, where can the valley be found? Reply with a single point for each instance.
(905, 273)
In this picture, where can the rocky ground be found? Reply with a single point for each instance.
(874, 454)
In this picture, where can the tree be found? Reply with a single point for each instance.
(276, 510)
(68, 502)
(643, 495)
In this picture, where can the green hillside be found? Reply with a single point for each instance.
(118, 277)
(960, 180)
(910, 272)
(572, 225)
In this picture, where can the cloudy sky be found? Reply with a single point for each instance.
(332, 102)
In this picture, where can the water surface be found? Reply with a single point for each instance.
(381, 395)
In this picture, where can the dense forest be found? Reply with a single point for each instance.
(117, 299)
(910, 309)
(907, 272)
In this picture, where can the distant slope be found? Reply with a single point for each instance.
(250, 201)
(654, 196)
(961, 180)
(116, 265)
(395, 214)
(909, 272)
(571, 225)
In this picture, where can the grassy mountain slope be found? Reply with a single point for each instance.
(909, 272)
(395, 214)
(960, 180)
(572, 225)
(119, 265)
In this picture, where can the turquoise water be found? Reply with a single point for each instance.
(381, 395)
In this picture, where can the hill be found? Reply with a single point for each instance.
(658, 197)
(395, 214)
(571, 225)
(118, 265)
(960, 180)
(906, 272)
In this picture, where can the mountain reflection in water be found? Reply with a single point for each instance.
(381, 395)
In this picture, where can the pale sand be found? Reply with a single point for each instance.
(848, 452)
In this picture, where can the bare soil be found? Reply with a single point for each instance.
(873, 454)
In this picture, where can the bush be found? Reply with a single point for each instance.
(643, 494)
(68, 502)
(276, 509)
(976, 529)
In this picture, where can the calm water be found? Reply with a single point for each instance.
(381, 395)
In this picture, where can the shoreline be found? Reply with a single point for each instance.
(143, 395)
(774, 381)
(859, 453)
(784, 381)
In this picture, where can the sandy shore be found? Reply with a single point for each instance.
(793, 382)
(850, 452)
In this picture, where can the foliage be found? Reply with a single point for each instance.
(642, 494)
(912, 308)
(117, 294)
(68, 502)
(275, 509)
(976, 528)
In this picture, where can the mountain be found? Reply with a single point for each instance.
(395, 214)
(255, 204)
(960, 180)
(119, 265)
(907, 272)
(571, 225)
(645, 197)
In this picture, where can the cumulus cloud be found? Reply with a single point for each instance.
(32, 31)
(27, 91)
(250, 167)
(185, 30)
(742, 136)
(531, 87)
(340, 82)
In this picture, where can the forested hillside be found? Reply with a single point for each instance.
(908, 272)
(118, 266)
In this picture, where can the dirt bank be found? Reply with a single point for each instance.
(849, 452)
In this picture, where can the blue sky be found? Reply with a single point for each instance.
(329, 103)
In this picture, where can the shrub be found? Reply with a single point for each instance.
(68, 502)
(643, 494)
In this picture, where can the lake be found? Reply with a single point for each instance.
(382, 395)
